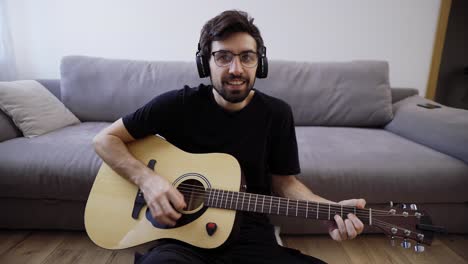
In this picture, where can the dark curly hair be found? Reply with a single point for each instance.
(225, 24)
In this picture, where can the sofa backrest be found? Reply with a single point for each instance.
(355, 93)
(328, 94)
(98, 89)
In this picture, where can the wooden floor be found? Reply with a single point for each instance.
(75, 247)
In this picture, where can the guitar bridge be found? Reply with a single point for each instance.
(140, 202)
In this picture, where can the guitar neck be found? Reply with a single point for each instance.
(273, 205)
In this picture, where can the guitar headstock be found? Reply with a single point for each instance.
(406, 222)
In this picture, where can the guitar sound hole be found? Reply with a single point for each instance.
(194, 194)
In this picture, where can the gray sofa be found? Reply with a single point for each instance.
(357, 137)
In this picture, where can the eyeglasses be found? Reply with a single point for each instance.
(224, 58)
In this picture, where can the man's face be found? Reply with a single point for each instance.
(233, 82)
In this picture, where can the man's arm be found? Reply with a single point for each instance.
(289, 186)
(110, 145)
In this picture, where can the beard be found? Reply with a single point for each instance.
(233, 95)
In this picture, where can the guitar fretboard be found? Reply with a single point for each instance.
(251, 202)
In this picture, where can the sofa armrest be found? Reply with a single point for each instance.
(8, 130)
(443, 129)
(399, 93)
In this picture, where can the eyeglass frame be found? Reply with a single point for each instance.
(236, 54)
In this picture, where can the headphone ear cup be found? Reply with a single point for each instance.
(206, 66)
(262, 68)
(202, 65)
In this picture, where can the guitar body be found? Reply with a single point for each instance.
(108, 214)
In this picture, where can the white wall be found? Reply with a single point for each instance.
(399, 31)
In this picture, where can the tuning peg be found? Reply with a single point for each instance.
(419, 248)
(392, 241)
(414, 207)
(405, 244)
(391, 203)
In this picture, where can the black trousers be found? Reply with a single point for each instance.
(255, 244)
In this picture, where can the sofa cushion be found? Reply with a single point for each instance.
(98, 89)
(342, 163)
(33, 109)
(353, 93)
(59, 165)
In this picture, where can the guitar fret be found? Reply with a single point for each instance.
(279, 204)
(209, 195)
(307, 207)
(287, 207)
(297, 206)
(248, 203)
(237, 200)
(328, 211)
(227, 195)
(271, 200)
(214, 198)
(341, 211)
(256, 199)
(243, 197)
(263, 202)
(232, 199)
(210, 200)
(221, 199)
(318, 210)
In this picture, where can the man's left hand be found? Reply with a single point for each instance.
(349, 228)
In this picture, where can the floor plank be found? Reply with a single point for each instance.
(372, 249)
(321, 247)
(10, 238)
(457, 243)
(34, 249)
(79, 249)
(52, 247)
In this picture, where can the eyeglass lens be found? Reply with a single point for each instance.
(225, 58)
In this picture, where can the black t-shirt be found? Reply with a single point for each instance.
(260, 136)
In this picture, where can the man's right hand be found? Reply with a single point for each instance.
(161, 198)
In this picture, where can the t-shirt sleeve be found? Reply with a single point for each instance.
(284, 157)
(156, 117)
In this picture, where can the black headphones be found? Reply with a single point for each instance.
(203, 65)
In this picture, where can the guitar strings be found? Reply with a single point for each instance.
(300, 205)
(221, 195)
(375, 221)
(337, 207)
(347, 209)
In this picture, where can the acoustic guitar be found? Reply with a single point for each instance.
(116, 215)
